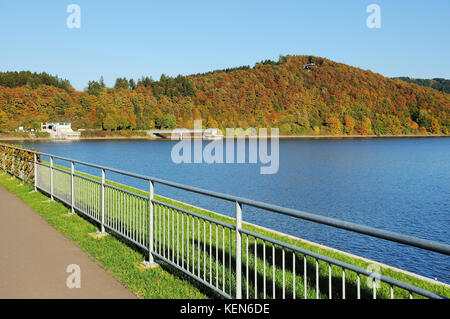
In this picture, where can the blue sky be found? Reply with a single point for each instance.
(136, 38)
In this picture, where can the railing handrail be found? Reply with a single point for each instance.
(329, 221)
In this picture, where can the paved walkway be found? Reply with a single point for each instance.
(34, 259)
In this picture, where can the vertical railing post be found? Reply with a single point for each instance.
(150, 221)
(103, 201)
(51, 177)
(12, 165)
(151, 260)
(72, 187)
(238, 251)
(35, 171)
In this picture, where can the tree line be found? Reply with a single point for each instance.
(32, 80)
(329, 98)
(439, 84)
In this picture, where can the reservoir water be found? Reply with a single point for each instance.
(396, 184)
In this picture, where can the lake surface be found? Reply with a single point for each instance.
(400, 185)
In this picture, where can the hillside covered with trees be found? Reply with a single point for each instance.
(439, 84)
(328, 98)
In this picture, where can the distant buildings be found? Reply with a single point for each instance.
(22, 130)
(60, 130)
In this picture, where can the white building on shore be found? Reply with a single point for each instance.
(60, 130)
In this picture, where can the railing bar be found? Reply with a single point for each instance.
(210, 253)
(343, 283)
(173, 235)
(230, 265)
(178, 237)
(128, 215)
(160, 229)
(293, 275)
(284, 272)
(137, 229)
(143, 210)
(51, 177)
(87, 199)
(133, 216)
(187, 241)
(182, 240)
(168, 234)
(256, 267)
(124, 214)
(329, 282)
(374, 287)
(204, 250)
(264, 269)
(198, 248)
(304, 276)
(92, 204)
(217, 256)
(164, 232)
(246, 265)
(136, 218)
(116, 210)
(193, 245)
(92, 211)
(223, 258)
(358, 286)
(317, 279)
(133, 213)
(273, 271)
(81, 195)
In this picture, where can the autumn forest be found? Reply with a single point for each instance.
(325, 98)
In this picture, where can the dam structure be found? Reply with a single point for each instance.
(179, 134)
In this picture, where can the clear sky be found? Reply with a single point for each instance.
(136, 38)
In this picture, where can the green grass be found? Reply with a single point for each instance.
(117, 258)
(290, 257)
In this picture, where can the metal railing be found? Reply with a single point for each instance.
(218, 251)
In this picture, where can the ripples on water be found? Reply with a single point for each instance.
(401, 185)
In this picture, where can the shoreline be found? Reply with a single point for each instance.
(152, 138)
